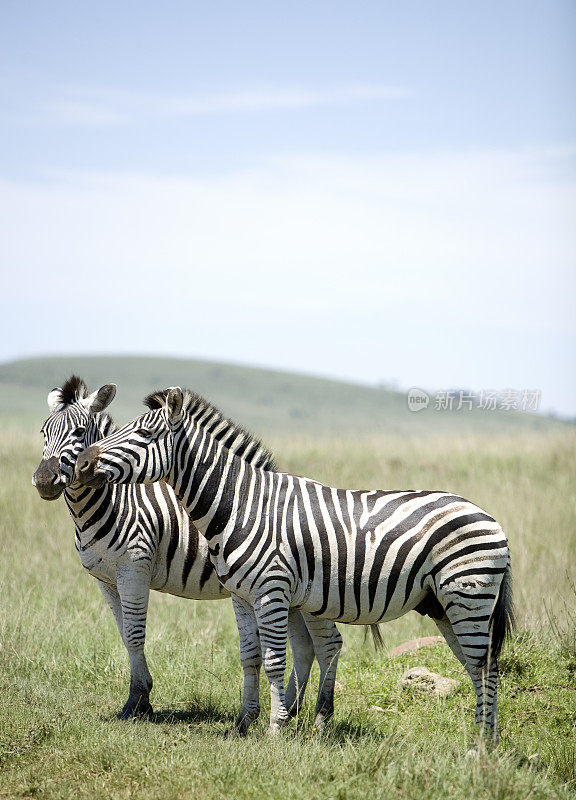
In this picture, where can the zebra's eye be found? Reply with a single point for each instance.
(79, 432)
(144, 432)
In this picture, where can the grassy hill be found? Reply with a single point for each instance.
(268, 401)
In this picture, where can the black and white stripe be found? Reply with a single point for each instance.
(136, 538)
(279, 541)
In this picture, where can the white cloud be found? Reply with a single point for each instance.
(85, 107)
(486, 226)
(390, 255)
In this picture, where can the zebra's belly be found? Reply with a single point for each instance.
(195, 588)
(361, 608)
(197, 581)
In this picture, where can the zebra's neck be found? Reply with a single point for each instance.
(85, 503)
(81, 498)
(205, 475)
(87, 508)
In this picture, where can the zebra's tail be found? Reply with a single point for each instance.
(377, 637)
(503, 616)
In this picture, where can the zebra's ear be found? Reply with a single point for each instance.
(54, 400)
(98, 401)
(174, 400)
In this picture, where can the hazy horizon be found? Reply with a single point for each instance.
(449, 398)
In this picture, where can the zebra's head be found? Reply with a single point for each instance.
(139, 452)
(74, 423)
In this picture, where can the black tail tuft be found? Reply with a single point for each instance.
(377, 637)
(503, 618)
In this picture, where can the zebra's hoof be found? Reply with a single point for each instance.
(320, 722)
(482, 744)
(245, 718)
(276, 726)
(135, 709)
(243, 723)
(322, 717)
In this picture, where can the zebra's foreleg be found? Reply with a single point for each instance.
(327, 643)
(251, 659)
(303, 653)
(271, 611)
(133, 582)
(113, 599)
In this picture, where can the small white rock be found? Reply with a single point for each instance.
(422, 679)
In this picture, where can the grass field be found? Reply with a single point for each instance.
(64, 673)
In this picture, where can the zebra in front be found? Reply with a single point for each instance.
(136, 538)
(279, 541)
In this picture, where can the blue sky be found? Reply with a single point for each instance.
(375, 191)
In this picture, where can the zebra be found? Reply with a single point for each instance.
(136, 538)
(281, 541)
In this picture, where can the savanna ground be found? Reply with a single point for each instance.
(64, 673)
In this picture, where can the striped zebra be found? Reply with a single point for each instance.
(136, 538)
(280, 541)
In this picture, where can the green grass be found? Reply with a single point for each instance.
(64, 673)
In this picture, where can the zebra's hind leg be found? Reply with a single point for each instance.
(303, 654)
(312, 637)
(327, 646)
(447, 632)
(251, 659)
(485, 679)
(469, 609)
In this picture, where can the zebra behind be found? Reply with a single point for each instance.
(279, 541)
(136, 538)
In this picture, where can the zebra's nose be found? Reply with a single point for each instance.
(86, 463)
(83, 466)
(48, 479)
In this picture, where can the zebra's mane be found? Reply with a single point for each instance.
(233, 436)
(75, 389)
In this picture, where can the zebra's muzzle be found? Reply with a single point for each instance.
(48, 479)
(87, 471)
